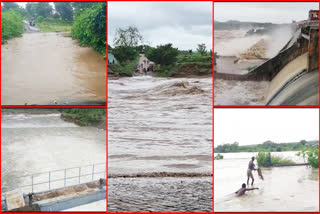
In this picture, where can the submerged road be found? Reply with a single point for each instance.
(40, 68)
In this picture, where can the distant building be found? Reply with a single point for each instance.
(111, 59)
(144, 64)
(313, 15)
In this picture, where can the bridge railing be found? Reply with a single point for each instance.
(61, 178)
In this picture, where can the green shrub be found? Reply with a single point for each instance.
(126, 69)
(85, 116)
(39, 19)
(90, 27)
(11, 25)
(266, 159)
(218, 157)
(124, 53)
(312, 154)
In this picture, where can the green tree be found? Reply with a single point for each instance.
(43, 9)
(124, 53)
(90, 27)
(303, 142)
(163, 54)
(79, 7)
(31, 9)
(127, 37)
(202, 49)
(64, 10)
(9, 5)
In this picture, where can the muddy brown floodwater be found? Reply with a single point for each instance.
(39, 68)
(284, 189)
(159, 144)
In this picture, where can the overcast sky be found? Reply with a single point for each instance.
(23, 4)
(184, 24)
(255, 126)
(275, 12)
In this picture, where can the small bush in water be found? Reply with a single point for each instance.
(218, 157)
(266, 159)
(312, 154)
(11, 25)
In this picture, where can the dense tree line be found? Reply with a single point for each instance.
(266, 146)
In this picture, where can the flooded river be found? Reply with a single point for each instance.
(40, 68)
(36, 143)
(238, 53)
(284, 189)
(160, 125)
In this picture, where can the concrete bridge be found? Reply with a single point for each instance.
(58, 190)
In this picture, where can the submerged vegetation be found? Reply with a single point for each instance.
(312, 156)
(218, 157)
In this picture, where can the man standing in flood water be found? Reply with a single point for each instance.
(249, 171)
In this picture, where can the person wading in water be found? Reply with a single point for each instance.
(243, 190)
(249, 171)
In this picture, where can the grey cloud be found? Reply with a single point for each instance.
(188, 18)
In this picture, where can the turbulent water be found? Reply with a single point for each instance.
(159, 125)
(40, 68)
(36, 143)
(235, 45)
(160, 134)
(282, 190)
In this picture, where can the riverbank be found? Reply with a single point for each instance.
(81, 117)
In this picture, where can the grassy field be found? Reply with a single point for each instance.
(53, 25)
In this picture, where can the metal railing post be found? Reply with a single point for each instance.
(65, 176)
(79, 174)
(92, 171)
(49, 180)
(32, 183)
